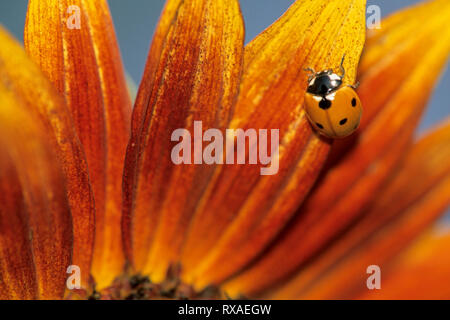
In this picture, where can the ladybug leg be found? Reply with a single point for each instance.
(354, 86)
(341, 67)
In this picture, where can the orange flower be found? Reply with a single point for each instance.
(85, 185)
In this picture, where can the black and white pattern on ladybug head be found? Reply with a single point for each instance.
(324, 82)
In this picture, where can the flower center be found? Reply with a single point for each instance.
(139, 287)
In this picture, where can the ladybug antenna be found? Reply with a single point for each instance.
(311, 73)
(311, 70)
(341, 67)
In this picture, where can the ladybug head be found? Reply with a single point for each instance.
(324, 82)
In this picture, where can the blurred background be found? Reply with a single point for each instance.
(136, 20)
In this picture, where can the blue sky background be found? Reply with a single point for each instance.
(135, 21)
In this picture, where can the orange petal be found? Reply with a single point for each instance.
(24, 78)
(425, 268)
(242, 211)
(413, 199)
(84, 64)
(192, 74)
(35, 220)
(351, 183)
(387, 60)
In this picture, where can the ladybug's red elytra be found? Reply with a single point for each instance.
(333, 109)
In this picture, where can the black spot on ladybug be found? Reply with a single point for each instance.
(354, 102)
(325, 104)
(319, 125)
(343, 121)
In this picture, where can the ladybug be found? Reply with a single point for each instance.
(333, 109)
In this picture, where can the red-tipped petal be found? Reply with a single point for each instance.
(35, 221)
(350, 185)
(85, 66)
(40, 98)
(242, 211)
(192, 74)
